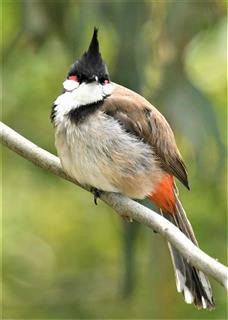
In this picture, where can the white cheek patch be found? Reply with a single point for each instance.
(107, 89)
(70, 85)
(77, 95)
(64, 100)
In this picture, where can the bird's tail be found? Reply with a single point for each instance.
(192, 282)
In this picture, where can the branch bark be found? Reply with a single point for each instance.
(122, 205)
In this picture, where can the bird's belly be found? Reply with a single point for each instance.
(99, 153)
(80, 159)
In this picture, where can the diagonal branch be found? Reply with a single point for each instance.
(122, 205)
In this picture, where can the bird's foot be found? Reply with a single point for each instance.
(126, 218)
(96, 193)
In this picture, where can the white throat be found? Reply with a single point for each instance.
(78, 95)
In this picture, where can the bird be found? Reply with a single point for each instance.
(110, 138)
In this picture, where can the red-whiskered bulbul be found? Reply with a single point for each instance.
(112, 139)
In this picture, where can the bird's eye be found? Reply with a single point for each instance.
(73, 77)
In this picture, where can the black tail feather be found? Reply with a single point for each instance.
(190, 281)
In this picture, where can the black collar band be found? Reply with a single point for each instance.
(78, 115)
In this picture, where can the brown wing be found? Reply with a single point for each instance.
(140, 118)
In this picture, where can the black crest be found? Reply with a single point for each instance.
(91, 64)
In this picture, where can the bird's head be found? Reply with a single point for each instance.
(90, 70)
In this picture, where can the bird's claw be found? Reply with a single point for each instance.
(126, 218)
(96, 194)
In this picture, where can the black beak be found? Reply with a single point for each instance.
(93, 78)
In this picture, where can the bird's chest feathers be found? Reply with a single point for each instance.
(78, 133)
(79, 147)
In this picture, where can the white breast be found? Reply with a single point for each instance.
(79, 148)
(99, 153)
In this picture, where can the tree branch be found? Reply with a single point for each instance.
(122, 205)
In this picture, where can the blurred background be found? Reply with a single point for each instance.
(64, 257)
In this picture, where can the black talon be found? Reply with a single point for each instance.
(96, 194)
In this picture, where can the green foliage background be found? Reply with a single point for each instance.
(63, 257)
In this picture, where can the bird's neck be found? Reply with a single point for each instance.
(86, 97)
